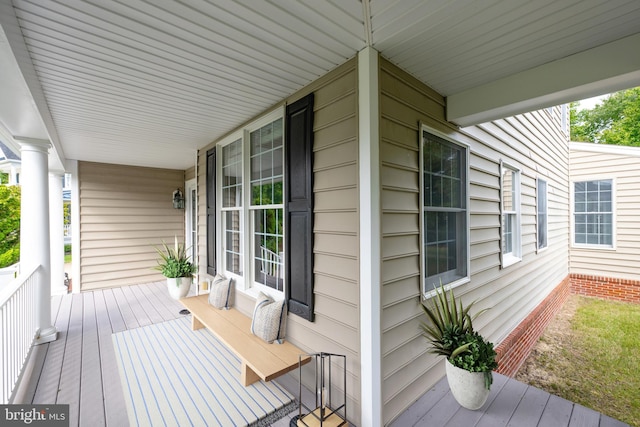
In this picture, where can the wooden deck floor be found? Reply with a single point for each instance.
(80, 369)
(511, 403)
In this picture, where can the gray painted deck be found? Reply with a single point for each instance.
(80, 369)
(511, 403)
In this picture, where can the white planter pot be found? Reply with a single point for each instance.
(468, 388)
(179, 286)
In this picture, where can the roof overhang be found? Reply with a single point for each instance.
(150, 83)
(603, 69)
(620, 150)
(24, 113)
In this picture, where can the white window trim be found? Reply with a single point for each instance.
(546, 195)
(189, 186)
(565, 119)
(516, 255)
(613, 214)
(466, 147)
(244, 283)
(238, 280)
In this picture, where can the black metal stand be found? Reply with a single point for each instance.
(328, 411)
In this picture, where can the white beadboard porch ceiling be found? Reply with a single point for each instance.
(148, 82)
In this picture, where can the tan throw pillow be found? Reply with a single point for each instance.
(269, 319)
(221, 292)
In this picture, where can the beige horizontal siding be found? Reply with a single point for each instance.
(336, 327)
(124, 212)
(531, 142)
(622, 262)
(190, 173)
(336, 244)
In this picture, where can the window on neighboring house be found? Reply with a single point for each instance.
(593, 213)
(542, 213)
(445, 212)
(66, 181)
(510, 186)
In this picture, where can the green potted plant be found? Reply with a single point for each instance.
(470, 359)
(174, 264)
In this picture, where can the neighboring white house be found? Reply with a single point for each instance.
(10, 164)
(605, 230)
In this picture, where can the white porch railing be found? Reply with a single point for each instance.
(270, 262)
(17, 329)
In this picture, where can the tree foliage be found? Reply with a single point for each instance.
(616, 120)
(9, 225)
(66, 213)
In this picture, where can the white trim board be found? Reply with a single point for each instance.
(370, 276)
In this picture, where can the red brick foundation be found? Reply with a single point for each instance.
(606, 288)
(514, 349)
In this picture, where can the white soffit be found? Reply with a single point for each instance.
(605, 69)
(21, 113)
(23, 108)
(620, 150)
(149, 82)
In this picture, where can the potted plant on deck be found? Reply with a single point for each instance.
(470, 359)
(174, 264)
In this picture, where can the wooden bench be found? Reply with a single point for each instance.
(260, 360)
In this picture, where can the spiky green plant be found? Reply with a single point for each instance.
(174, 262)
(450, 332)
(449, 321)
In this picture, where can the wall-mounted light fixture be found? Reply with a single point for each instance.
(178, 199)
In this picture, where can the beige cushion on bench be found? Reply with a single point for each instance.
(222, 292)
(269, 319)
(260, 360)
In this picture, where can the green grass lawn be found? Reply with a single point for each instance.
(607, 358)
(67, 258)
(595, 359)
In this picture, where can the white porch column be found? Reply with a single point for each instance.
(56, 227)
(370, 238)
(34, 229)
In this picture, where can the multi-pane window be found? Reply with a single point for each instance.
(253, 188)
(542, 213)
(510, 182)
(252, 210)
(267, 158)
(232, 206)
(593, 212)
(445, 216)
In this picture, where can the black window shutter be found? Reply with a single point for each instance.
(211, 211)
(299, 207)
